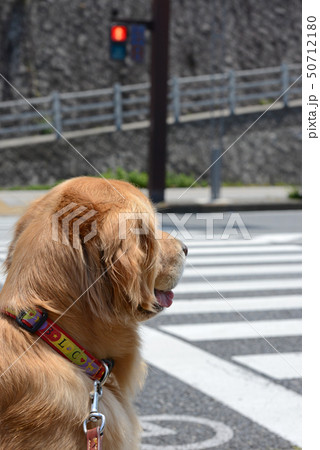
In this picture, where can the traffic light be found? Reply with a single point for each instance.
(137, 41)
(118, 42)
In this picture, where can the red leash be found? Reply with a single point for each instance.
(94, 439)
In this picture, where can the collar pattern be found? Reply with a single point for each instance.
(37, 321)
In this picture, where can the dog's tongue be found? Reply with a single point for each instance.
(164, 298)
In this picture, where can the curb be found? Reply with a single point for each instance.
(211, 207)
(181, 208)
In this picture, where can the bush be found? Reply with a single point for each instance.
(139, 179)
(296, 194)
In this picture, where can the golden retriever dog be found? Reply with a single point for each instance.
(88, 253)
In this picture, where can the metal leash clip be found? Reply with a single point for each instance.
(95, 395)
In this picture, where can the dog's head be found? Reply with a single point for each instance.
(93, 244)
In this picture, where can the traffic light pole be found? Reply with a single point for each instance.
(158, 107)
(159, 25)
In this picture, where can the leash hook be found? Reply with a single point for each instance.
(95, 395)
(94, 415)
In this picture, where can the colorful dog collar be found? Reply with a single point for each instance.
(37, 321)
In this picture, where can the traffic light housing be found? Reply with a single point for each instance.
(118, 42)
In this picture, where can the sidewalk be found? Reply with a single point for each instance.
(231, 199)
(192, 200)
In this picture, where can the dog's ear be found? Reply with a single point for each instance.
(131, 252)
(54, 260)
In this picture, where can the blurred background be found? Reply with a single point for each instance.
(54, 52)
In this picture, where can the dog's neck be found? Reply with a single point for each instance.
(119, 342)
(99, 337)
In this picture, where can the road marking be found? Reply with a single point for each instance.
(249, 249)
(235, 304)
(273, 364)
(222, 432)
(236, 259)
(190, 272)
(238, 285)
(2, 279)
(254, 329)
(151, 429)
(263, 239)
(225, 260)
(270, 405)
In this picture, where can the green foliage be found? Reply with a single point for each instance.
(139, 179)
(49, 129)
(296, 194)
(31, 187)
(292, 448)
(233, 184)
(179, 180)
(121, 174)
(266, 101)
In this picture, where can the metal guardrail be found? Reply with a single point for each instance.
(121, 106)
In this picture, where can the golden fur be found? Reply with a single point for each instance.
(44, 398)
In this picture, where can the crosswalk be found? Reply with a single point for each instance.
(234, 296)
(6, 230)
(238, 294)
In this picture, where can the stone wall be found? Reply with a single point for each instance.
(270, 152)
(48, 45)
(63, 45)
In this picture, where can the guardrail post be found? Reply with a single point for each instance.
(215, 173)
(232, 91)
(285, 83)
(176, 99)
(117, 106)
(56, 112)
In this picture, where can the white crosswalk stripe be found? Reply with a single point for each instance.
(236, 330)
(273, 364)
(238, 285)
(262, 269)
(6, 229)
(247, 250)
(243, 259)
(275, 303)
(258, 240)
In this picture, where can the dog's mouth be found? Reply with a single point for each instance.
(164, 298)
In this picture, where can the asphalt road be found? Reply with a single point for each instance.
(225, 358)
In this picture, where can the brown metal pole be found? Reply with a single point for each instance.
(158, 107)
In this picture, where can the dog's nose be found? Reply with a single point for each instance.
(184, 248)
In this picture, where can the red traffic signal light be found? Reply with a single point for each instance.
(119, 33)
(118, 42)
